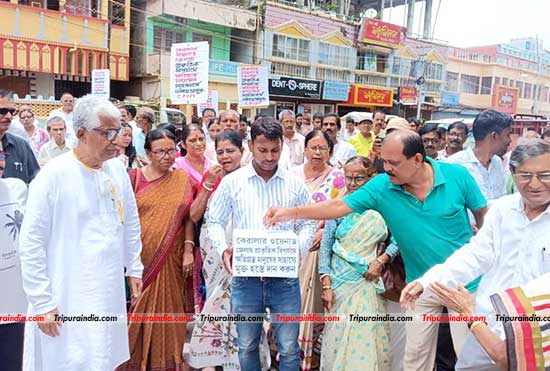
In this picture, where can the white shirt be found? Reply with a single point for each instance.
(80, 230)
(508, 251)
(13, 195)
(342, 152)
(68, 118)
(296, 146)
(492, 181)
(17, 128)
(51, 150)
(245, 196)
(346, 135)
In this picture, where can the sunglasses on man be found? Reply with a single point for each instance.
(4, 111)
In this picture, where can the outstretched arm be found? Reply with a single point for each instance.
(325, 210)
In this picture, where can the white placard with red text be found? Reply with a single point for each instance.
(189, 73)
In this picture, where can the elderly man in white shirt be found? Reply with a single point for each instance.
(66, 113)
(295, 141)
(342, 151)
(511, 249)
(58, 143)
(491, 132)
(80, 231)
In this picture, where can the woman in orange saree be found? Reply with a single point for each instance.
(163, 197)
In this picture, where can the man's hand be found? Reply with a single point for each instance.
(327, 297)
(374, 272)
(227, 254)
(410, 293)
(50, 326)
(136, 285)
(278, 215)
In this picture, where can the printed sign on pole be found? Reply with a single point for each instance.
(101, 83)
(212, 102)
(253, 86)
(189, 73)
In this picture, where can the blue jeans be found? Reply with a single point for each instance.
(253, 295)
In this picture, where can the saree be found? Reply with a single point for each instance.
(163, 205)
(528, 341)
(326, 186)
(356, 345)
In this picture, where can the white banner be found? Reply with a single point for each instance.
(101, 83)
(189, 73)
(253, 86)
(211, 103)
(265, 253)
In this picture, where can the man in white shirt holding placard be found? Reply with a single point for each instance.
(244, 197)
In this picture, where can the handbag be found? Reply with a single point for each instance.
(393, 275)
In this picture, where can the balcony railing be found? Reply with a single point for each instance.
(329, 9)
(333, 75)
(370, 78)
(287, 69)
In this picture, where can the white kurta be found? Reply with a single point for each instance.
(73, 250)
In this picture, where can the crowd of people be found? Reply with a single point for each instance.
(108, 212)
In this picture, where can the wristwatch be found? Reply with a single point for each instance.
(471, 323)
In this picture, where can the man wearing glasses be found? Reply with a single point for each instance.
(511, 249)
(19, 157)
(80, 231)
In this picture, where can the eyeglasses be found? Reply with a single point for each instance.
(160, 153)
(320, 149)
(430, 140)
(110, 134)
(4, 111)
(356, 180)
(526, 178)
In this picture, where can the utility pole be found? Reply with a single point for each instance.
(420, 84)
(537, 86)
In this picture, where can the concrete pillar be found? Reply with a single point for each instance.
(381, 9)
(428, 20)
(410, 17)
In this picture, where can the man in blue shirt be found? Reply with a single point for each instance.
(424, 204)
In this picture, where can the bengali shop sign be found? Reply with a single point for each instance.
(212, 102)
(252, 86)
(295, 88)
(505, 99)
(189, 73)
(362, 95)
(101, 83)
(408, 94)
(265, 253)
(377, 32)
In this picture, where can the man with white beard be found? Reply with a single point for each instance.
(80, 231)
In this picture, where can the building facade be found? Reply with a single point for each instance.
(512, 77)
(229, 29)
(49, 47)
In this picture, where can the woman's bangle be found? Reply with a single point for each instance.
(189, 241)
(475, 324)
(328, 287)
(209, 189)
(380, 261)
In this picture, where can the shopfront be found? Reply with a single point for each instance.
(366, 98)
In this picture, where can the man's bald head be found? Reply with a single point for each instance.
(409, 141)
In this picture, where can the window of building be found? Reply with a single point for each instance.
(497, 80)
(433, 71)
(469, 84)
(452, 81)
(511, 83)
(288, 47)
(486, 85)
(504, 81)
(117, 18)
(527, 91)
(519, 85)
(333, 55)
(163, 38)
(366, 61)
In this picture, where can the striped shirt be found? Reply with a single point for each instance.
(245, 196)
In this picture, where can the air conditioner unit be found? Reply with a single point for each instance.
(36, 4)
(252, 4)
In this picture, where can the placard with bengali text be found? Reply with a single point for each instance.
(189, 73)
(253, 86)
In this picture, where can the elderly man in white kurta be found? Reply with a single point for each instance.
(80, 232)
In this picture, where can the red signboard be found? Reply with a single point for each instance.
(382, 33)
(362, 95)
(505, 99)
(407, 94)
